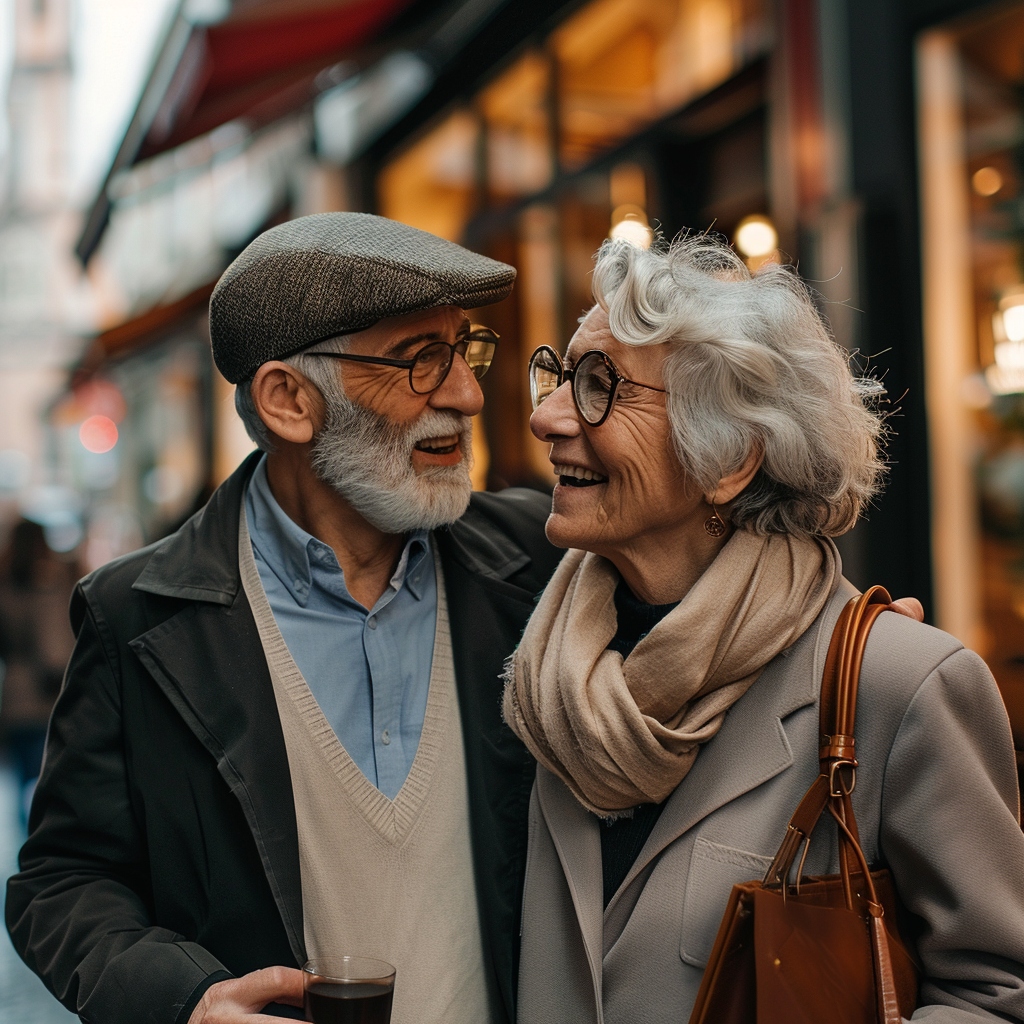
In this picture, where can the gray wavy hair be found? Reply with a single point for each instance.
(753, 367)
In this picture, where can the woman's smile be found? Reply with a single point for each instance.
(578, 476)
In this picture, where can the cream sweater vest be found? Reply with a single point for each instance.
(382, 878)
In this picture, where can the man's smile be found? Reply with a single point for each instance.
(438, 445)
(444, 450)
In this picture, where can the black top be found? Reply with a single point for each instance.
(622, 839)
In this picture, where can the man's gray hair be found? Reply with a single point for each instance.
(322, 373)
(754, 367)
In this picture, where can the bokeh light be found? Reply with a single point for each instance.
(633, 230)
(98, 434)
(756, 236)
(987, 181)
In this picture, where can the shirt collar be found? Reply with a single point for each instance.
(286, 547)
(414, 565)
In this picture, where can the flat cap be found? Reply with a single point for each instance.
(333, 273)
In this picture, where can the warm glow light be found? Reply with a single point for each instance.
(987, 181)
(98, 434)
(756, 236)
(633, 230)
(1010, 354)
(1004, 382)
(1013, 323)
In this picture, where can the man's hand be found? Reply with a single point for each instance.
(240, 1000)
(909, 606)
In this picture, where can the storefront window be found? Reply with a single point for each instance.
(622, 64)
(971, 126)
(432, 185)
(517, 118)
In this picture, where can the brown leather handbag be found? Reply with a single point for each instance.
(820, 949)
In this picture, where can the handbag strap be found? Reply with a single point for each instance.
(837, 753)
(841, 678)
(834, 785)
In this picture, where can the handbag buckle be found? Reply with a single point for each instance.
(842, 777)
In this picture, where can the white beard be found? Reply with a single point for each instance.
(367, 459)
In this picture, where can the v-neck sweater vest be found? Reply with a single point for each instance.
(384, 878)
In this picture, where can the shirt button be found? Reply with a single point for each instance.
(371, 622)
(385, 737)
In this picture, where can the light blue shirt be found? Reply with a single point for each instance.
(368, 670)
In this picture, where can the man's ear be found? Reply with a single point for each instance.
(732, 485)
(289, 405)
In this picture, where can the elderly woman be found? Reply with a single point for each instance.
(709, 441)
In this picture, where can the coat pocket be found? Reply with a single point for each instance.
(714, 870)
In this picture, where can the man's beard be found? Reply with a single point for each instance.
(367, 459)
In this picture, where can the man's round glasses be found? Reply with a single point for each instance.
(595, 382)
(429, 368)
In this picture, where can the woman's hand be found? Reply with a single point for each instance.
(909, 606)
(240, 1000)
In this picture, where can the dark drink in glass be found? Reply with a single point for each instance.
(348, 990)
(355, 1002)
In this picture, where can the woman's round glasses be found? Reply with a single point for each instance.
(429, 368)
(595, 382)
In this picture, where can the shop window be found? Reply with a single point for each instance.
(971, 127)
(623, 64)
(517, 119)
(433, 185)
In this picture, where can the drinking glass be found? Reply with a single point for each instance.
(348, 990)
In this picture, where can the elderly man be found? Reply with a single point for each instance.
(280, 735)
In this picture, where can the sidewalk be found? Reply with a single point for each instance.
(23, 1000)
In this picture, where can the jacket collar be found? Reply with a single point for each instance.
(753, 726)
(200, 561)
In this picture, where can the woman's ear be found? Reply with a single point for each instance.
(733, 484)
(289, 405)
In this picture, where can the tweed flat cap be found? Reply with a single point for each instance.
(334, 273)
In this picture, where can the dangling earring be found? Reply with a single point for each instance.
(714, 525)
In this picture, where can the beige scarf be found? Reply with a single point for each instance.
(621, 733)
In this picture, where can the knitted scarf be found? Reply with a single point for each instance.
(621, 733)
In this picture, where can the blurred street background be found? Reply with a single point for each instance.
(878, 144)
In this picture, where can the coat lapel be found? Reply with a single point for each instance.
(754, 724)
(576, 835)
(208, 661)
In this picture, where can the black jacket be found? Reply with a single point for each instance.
(162, 852)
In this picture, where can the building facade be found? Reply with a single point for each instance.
(873, 143)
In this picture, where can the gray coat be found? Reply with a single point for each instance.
(936, 800)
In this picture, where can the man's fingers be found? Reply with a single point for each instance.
(239, 1000)
(909, 606)
(271, 985)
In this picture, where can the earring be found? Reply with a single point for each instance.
(714, 525)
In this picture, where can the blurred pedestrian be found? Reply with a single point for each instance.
(35, 644)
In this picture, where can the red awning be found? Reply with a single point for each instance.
(259, 63)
